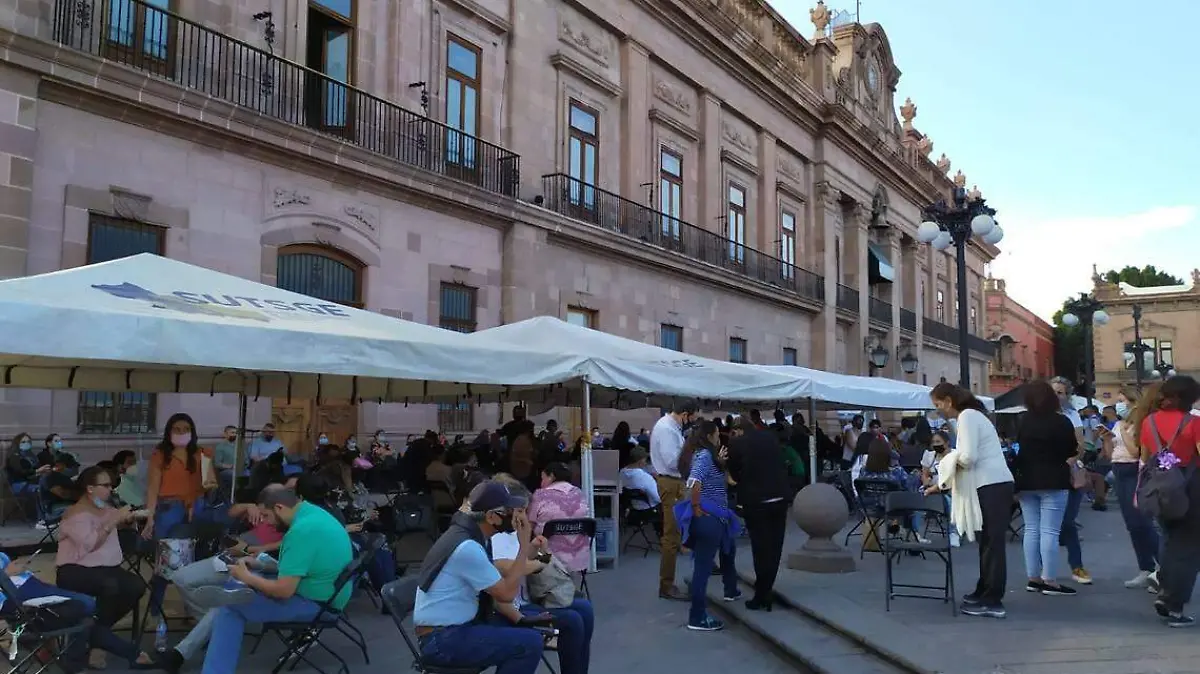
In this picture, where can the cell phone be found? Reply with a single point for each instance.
(543, 557)
(227, 559)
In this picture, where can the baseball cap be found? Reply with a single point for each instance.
(492, 495)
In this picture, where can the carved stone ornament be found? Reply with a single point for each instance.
(285, 198)
(362, 215)
(820, 19)
(908, 112)
(943, 163)
(790, 170)
(827, 195)
(667, 93)
(1196, 279)
(925, 145)
(960, 179)
(974, 194)
(736, 137)
(573, 32)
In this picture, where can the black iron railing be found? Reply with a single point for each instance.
(908, 320)
(162, 43)
(847, 299)
(949, 334)
(980, 345)
(878, 310)
(574, 198)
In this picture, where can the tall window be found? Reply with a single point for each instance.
(320, 272)
(670, 191)
(735, 223)
(787, 243)
(457, 312)
(737, 350)
(1166, 352)
(124, 411)
(670, 337)
(583, 148)
(330, 52)
(789, 356)
(141, 34)
(584, 318)
(939, 308)
(463, 65)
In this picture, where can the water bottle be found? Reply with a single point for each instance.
(160, 636)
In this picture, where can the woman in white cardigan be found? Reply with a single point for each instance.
(981, 487)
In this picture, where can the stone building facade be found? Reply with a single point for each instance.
(1024, 342)
(695, 173)
(1169, 315)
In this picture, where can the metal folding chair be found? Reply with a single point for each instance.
(583, 526)
(43, 649)
(636, 521)
(905, 504)
(871, 495)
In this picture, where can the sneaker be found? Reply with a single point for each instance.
(1081, 576)
(1152, 583)
(1180, 620)
(40, 526)
(1057, 590)
(1160, 607)
(954, 540)
(215, 596)
(709, 624)
(1140, 580)
(982, 611)
(970, 600)
(1035, 586)
(733, 597)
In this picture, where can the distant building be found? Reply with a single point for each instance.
(1169, 315)
(1024, 342)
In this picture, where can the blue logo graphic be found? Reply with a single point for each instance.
(227, 306)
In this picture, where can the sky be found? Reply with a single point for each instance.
(1076, 119)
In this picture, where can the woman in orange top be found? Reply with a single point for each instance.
(174, 489)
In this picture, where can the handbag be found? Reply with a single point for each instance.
(174, 554)
(1079, 477)
(553, 586)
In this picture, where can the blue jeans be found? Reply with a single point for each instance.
(229, 623)
(1042, 511)
(575, 624)
(101, 637)
(1069, 534)
(511, 650)
(1142, 532)
(169, 516)
(705, 539)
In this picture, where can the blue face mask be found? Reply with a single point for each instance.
(57, 444)
(26, 446)
(99, 503)
(322, 441)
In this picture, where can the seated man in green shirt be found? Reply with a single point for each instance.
(315, 550)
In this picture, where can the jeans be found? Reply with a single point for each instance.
(1069, 534)
(1043, 514)
(995, 504)
(705, 538)
(188, 579)
(101, 637)
(170, 515)
(575, 625)
(229, 623)
(511, 650)
(767, 525)
(670, 490)
(1142, 533)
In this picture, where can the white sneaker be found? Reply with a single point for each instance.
(41, 525)
(954, 541)
(1152, 583)
(1140, 580)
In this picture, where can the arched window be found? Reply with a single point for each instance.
(320, 272)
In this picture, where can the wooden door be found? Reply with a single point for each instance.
(293, 426)
(337, 422)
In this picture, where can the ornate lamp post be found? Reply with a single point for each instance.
(1138, 348)
(1164, 370)
(1089, 312)
(948, 224)
(877, 356)
(908, 361)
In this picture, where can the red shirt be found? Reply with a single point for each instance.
(1168, 421)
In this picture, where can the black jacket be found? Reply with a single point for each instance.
(757, 464)
(1046, 443)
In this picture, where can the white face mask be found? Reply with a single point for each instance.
(132, 470)
(1122, 409)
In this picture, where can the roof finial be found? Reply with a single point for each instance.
(820, 19)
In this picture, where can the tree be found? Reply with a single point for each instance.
(1146, 277)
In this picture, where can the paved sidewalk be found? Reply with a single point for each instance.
(1105, 629)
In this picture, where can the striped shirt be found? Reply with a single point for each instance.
(710, 477)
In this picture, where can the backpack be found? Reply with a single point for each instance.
(1163, 492)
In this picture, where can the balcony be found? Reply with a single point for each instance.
(879, 310)
(945, 333)
(571, 197)
(164, 44)
(908, 320)
(847, 299)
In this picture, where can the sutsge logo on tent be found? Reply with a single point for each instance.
(228, 306)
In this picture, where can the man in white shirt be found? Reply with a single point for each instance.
(666, 444)
(635, 476)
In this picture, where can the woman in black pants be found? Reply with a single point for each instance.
(89, 562)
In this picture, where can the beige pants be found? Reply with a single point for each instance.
(670, 490)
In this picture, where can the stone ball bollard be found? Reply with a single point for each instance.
(820, 511)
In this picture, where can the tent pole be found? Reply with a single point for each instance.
(240, 450)
(813, 463)
(585, 467)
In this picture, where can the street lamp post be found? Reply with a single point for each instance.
(953, 223)
(1138, 348)
(1086, 311)
(1163, 370)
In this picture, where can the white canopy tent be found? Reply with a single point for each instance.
(867, 392)
(1078, 402)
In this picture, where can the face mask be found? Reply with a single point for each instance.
(180, 439)
(132, 471)
(381, 439)
(506, 524)
(268, 436)
(99, 503)
(1122, 409)
(351, 444)
(57, 444)
(322, 440)
(26, 446)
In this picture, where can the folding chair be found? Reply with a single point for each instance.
(414, 514)
(636, 521)
(299, 637)
(583, 526)
(43, 650)
(52, 521)
(400, 596)
(904, 504)
(1016, 520)
(22, 493)
(870, 503)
